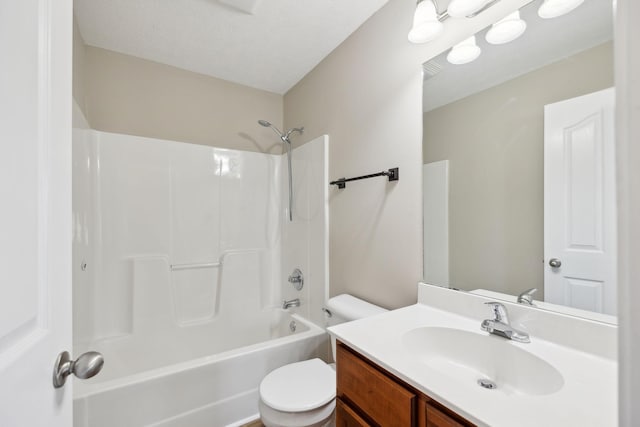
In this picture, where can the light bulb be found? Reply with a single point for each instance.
(507, 29)
(464, 52)
(426, 25)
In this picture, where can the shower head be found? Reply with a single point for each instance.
(283, 136)
(275, 129)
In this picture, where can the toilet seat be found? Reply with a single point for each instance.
(299, 387)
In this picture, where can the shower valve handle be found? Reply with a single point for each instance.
(297, 279)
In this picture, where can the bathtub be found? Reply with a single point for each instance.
(189, 388)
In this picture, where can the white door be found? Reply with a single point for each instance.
(580, 203)
(35, 213)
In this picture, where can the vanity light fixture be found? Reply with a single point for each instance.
(426, 25)
(507, 29)
(427, 18)
(464, 52)
(555, 8)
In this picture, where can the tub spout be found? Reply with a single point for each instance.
(291, 303)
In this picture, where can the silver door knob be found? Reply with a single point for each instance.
(85, 366)
(555, 262)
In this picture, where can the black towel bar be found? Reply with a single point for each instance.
(393, 174)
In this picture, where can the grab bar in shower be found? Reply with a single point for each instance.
(194, 266)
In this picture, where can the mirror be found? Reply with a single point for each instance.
(518, 165)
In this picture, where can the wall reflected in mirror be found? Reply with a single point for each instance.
(519, 179)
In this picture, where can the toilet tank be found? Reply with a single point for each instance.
(345, 308)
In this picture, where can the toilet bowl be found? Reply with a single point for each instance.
(298, 394)
(302, 394)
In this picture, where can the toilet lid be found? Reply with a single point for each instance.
(299, 387)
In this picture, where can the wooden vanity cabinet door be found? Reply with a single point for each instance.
(435, 417)
(385, 401)
(346, 417)
(382, 400)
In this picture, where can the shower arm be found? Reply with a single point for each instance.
(282, 136)
(299, 130)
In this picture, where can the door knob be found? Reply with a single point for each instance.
(555, 262)
(85, 366)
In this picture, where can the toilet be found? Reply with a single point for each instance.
(303, 394)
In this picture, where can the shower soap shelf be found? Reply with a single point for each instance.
(393, 174)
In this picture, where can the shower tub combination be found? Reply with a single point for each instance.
(182, 253)
(216, 390)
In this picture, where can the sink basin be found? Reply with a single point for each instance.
(482, 360)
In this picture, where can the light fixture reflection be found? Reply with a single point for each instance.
(507, 29)
(426, 25)
(463, 8)
(464, 52)
(555, 8)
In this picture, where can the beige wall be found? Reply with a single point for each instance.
(78, 69)
(129, 95)
(367, 96)
(368, 100)
(494, 142)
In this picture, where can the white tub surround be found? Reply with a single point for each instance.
(581, 351)
(305, 239)
(181, 258)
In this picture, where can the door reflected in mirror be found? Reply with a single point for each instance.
(519, 174)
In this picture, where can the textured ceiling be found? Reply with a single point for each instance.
(545, 41)
(268, 45)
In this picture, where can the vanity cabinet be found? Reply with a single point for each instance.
(370, 396)
(346, 417)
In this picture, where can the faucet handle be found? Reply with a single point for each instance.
(499, 312)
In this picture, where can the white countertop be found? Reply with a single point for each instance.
(587, 398)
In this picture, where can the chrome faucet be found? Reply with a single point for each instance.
(527, 296)
(500, 325)
(291, 303)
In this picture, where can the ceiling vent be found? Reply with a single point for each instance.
(430, 69)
